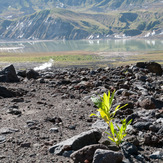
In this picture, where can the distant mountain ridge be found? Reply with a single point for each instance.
(82, 19)
(30, 6)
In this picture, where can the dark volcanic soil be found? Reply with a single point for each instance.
(57, 106)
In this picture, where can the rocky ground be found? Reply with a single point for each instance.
(39, 110)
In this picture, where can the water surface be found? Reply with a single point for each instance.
(122, 45)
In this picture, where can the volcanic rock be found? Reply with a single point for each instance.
(86, 153)
(32, 74)
(77, 142)
(8, 74)
(151, 66)
(107, 156)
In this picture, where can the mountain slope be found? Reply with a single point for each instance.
(66, 24)
(15, 8)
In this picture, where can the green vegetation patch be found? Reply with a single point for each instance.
(69, 58)
(44, 58)
(132, 32)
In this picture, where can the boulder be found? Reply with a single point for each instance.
(77, 142)
(22, 73)
(4, 92)
(141, 64)
(151, 66)
(129, 149)
(155, 68)
(86, 153)
(7, 93)
(8, 74)
(107, 156)
(32, 74)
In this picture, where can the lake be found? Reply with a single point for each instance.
(121, 45)
(82, 52)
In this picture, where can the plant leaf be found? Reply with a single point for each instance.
(111, 98)
(123, 106)
(93, 115)
(129, 122)
(118, 127)
(112, 128)
(108, 133)
(111, 139)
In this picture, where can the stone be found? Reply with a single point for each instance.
(86, 153)
(113, 147)
(160, 132)
(151, 139)
(67, 153)
(72, 127)
(22, 73)
(31, 123)
(77, 142)
(129, 148)
(6, 130)
(156, 155)
(120, 91)
(140, 157)
(151, 66)
(132, 116)
(133, 139)
(143, 78)
(53, 119)
(32, 74)
(107, 156)
(2, 157)
(6, 93)
(2, 139)
(100, 124)
(159, 120)
(141, 64)
(141, 88)
(18, 100)
(159, 104)
(14, 111)
(54, 130)
(140, 77)
(8, 74)
(147, 103)
(155, 127)
(128, 93)
(142, 125)
(154, 67)
(26, 145)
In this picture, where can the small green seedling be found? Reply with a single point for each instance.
(117, 136)
(104, 104)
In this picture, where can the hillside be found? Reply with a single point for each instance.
(14, 8)
(71, 19)
(68, 24)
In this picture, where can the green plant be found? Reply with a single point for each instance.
(104, 104)
(118, 135)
